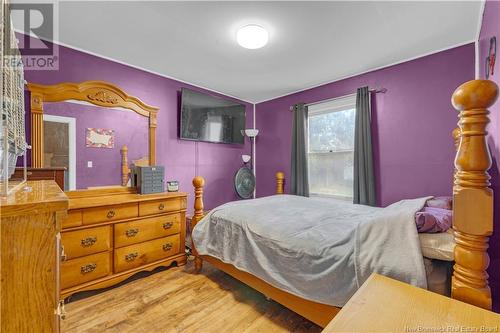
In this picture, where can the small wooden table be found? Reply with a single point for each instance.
(386, 305)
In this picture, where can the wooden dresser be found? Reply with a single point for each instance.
(30, 225)
(113, 233)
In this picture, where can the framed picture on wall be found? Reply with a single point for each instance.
(100, 138)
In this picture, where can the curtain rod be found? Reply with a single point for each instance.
(375, 91)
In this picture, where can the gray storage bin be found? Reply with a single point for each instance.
(149, 179)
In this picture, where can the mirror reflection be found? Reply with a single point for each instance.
(86, 139)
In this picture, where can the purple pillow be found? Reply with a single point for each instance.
(432, 220)
(440, 202)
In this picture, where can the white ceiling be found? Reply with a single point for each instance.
(310, 42)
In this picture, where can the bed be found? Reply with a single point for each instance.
(283, 272)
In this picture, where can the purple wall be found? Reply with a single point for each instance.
(412, 125)
(182, 159)
(490, 28)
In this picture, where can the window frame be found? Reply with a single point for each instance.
(340, 104)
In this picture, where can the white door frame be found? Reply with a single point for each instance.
(72, 145)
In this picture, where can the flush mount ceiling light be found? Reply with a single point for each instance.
(252, 36)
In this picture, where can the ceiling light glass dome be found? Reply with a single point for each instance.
(252, 36)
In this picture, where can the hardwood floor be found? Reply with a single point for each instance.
(177, 300)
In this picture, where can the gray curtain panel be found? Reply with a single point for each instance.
(364, 179)
(299, 179)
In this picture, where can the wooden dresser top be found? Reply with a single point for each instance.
(107, 197)
(34, 196)
(386, 305)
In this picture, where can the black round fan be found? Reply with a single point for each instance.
(244, 182)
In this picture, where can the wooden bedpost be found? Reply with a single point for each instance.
(280, 183)
(456, 137)
(198, 183)
(125, 169)
(472, 196)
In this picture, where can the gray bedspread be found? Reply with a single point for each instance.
(319, 249)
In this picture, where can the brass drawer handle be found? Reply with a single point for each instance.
(61, 311)
(168, 225)
(63, 254)
(111, 214)
(131, 232)
(88, 268)
(161, 206)
(89, 241)
(131, 256)
(167, 247)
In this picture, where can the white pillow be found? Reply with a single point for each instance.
(438, 245)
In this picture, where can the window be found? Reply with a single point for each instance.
(331, 147)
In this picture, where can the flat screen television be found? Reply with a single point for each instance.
(211, 119)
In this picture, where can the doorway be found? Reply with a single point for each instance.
(59, 142)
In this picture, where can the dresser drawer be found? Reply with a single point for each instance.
(143, 253)
(138, 231)
(74, 219)
(84, 269)
(161, 206)
(109, 213)
(87, 241)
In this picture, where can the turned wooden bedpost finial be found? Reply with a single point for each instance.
(472, 196)
(198, 183)
(280, 182)
(125, 168)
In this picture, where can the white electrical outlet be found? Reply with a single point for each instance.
(89, 164)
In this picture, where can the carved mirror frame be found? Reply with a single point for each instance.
(99, 93)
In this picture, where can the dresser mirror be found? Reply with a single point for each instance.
(93, 129)
(87, 140)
